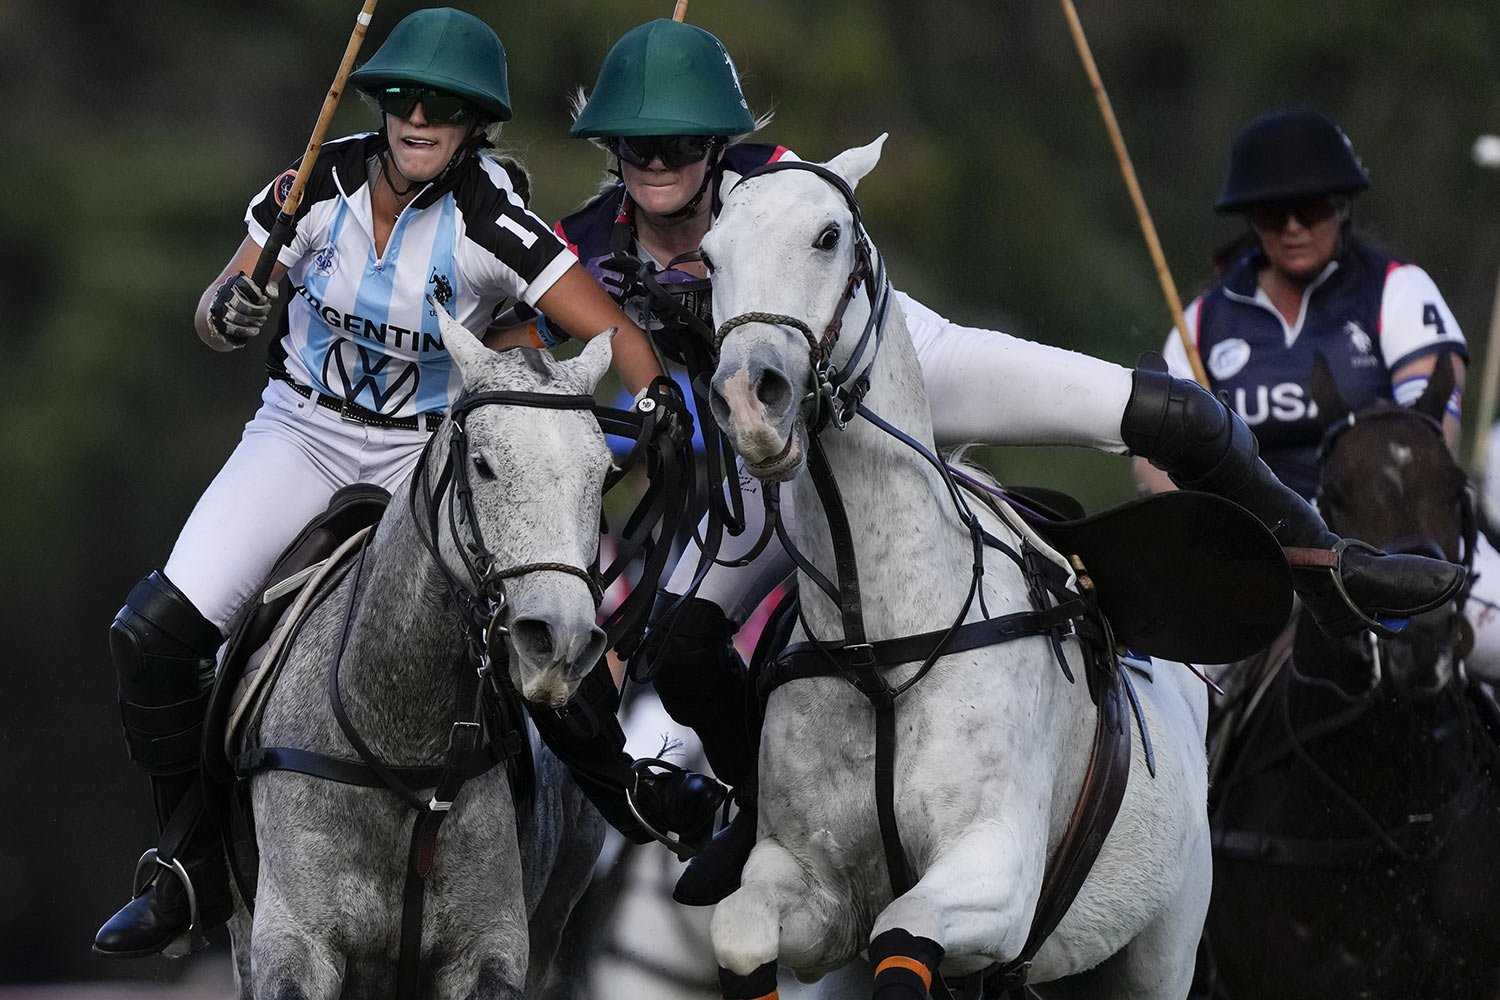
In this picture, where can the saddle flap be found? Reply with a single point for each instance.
(350, 510)
(1184, 576)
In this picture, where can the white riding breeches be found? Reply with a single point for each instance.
(291, 459)
(984, 387)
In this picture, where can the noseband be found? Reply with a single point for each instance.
(1468, 519)
(834, 394)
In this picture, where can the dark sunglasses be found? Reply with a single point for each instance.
(675, 151)
(439, 108)
(1310, 212)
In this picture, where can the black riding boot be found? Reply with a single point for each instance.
(1199, 441)
(164, 650)
(703, 684)
(585, 734)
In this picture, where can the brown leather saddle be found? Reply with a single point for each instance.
(1184, 576)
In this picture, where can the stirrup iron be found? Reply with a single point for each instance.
(190, 940)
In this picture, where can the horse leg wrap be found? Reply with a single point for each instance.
(702, 683)
(758, 985)
(905, 965)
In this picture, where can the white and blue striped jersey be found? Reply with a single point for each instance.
(358, 325)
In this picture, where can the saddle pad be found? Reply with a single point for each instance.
(264, 663)
(1183, 576)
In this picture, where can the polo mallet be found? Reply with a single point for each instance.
(1487, 155)
(1174, 304)
(681, 11)
(285, 226)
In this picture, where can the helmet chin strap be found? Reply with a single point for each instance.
(709, 175)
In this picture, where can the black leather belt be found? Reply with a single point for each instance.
(357, 414)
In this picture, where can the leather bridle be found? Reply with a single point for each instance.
(495, 729)
(836, 396)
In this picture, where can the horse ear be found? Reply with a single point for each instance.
(853, 164)
(1434, 398)
(1325, 392)
(727, 180)
(593, 361)
(471, 356)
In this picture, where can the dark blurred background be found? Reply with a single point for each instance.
(135, 133)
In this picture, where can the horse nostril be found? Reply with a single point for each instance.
(773, 390)
(533, 638)
(719, 407)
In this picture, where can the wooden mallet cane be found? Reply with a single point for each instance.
(681, 11)
(1147, 227)
(1487, 156)
(285, 226)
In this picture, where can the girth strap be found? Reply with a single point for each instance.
(1093, 814)
(354, 772)
(815, 659)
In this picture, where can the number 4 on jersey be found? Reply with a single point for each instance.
(1431, 317)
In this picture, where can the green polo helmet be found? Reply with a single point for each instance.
(666, 78)
(447, 50)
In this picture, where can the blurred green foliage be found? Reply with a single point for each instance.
(137, 133)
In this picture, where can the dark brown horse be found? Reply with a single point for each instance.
(1357, 817)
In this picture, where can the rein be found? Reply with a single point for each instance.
(478, 594)
(837, 396)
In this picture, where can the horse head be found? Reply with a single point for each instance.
(1389, 479)
(785, 237)
(521, 527)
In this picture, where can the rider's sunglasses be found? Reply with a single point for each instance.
(439, 108)
(676, 151)
(1308, 213)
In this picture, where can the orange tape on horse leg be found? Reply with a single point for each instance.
(910, 964)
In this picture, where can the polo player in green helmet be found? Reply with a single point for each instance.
(390, 221)
(668, 106)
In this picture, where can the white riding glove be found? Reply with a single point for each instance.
(238, 311)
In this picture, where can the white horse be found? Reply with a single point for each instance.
(992, 745)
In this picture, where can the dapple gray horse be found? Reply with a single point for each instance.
(333, 856)
(993, 744)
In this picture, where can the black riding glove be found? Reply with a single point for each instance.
(616, 273)
(238, 311)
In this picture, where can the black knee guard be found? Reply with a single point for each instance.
(163, 650)
(1179, 426)
(1188, 432)
(702, 683)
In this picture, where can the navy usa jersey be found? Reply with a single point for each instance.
(1368, 314)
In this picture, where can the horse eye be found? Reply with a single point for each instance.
(828, 238)
(482, 466)
(708, 262)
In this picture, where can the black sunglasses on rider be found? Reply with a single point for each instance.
(439, 107)
(1271, 218)
(676, 151)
